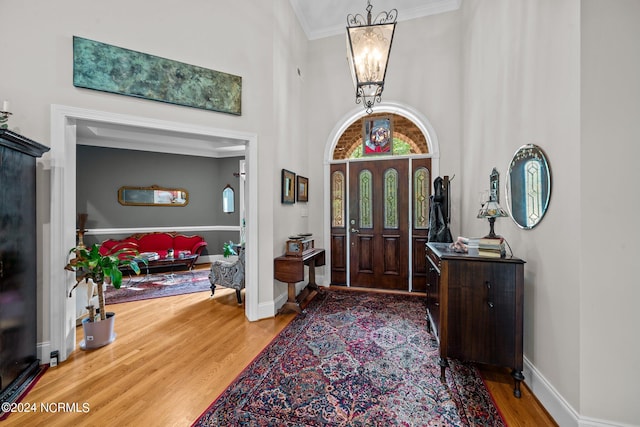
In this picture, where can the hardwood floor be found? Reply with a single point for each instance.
(172, 357)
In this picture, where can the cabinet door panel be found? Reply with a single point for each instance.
(483, 327)
(17, 274)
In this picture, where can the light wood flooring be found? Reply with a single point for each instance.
(172, 357)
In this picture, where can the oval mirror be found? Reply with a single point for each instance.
(528, 186)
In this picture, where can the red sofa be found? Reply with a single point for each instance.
(156, 242)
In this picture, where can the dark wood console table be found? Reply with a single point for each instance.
(475, 308)
(290, 269)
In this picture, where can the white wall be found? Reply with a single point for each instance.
(522, 81)
(288, 113)
(234, 37)
(610, 149)
(563, 75)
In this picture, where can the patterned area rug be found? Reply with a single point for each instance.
(354, 359)
(158, 285)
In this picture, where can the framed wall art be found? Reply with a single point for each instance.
(107, 68)
(377, 136)
(302, 193)
(288, 186)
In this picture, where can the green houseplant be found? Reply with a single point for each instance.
(228, 249)
(101, 269)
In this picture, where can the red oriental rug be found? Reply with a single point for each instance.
(354, 359)
(158, 285)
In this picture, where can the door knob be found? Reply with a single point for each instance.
(353, 230)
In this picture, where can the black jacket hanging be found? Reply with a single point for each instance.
(438, 222)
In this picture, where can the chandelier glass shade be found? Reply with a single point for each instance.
(368, 48)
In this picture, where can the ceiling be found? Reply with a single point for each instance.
(102, 134)
(324, 18)
(318, 18)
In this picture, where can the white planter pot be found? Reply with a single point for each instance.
(98, 334)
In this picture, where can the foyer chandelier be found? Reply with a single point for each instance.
(368, 49)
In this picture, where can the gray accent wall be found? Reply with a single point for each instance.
(102, 171)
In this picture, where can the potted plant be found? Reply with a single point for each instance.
(228, 249)
(90, 264)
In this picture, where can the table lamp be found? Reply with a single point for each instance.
(491, 210)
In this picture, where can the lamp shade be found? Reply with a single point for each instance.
(492, 209)
(368, 49)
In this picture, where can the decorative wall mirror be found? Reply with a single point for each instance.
(228, 199)
(528, 186)
(152, 196)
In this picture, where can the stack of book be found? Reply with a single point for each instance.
(491, 247)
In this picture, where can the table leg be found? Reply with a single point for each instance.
(312, 275)
(292, 302)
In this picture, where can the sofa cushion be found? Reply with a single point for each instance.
(188, 244)
(111, 246)
(156, 242)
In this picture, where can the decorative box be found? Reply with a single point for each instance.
(298, 247)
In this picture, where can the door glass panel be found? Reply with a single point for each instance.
(337, 202)
(421, 182)
(365, 184)
(391, 198)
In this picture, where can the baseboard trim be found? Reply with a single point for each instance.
(592, 422)
(43, 352)
(559, 409)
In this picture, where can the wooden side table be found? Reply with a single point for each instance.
(290, 269)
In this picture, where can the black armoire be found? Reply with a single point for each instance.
(18, 316)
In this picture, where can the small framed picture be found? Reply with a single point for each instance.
(288, 186)
(303, 189)
(377, 136)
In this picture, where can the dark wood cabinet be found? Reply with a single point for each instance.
(475, 308)
(18, 323)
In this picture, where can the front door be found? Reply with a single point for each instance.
(378, 224)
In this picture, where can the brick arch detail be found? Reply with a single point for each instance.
(403, 129)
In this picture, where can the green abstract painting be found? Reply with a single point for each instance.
(108, 68)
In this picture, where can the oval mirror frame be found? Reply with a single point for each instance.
(528, 186)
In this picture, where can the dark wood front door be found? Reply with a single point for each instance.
(378, 224)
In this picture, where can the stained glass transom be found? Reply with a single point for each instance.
(391, 198)
(337, 203)
(533, 182)
(421, 182)
(365, 201)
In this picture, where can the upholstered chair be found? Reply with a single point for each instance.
(228, 274)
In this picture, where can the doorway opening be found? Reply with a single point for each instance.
(376, 207)
(60, 233)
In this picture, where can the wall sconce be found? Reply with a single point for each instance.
(368, 49)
